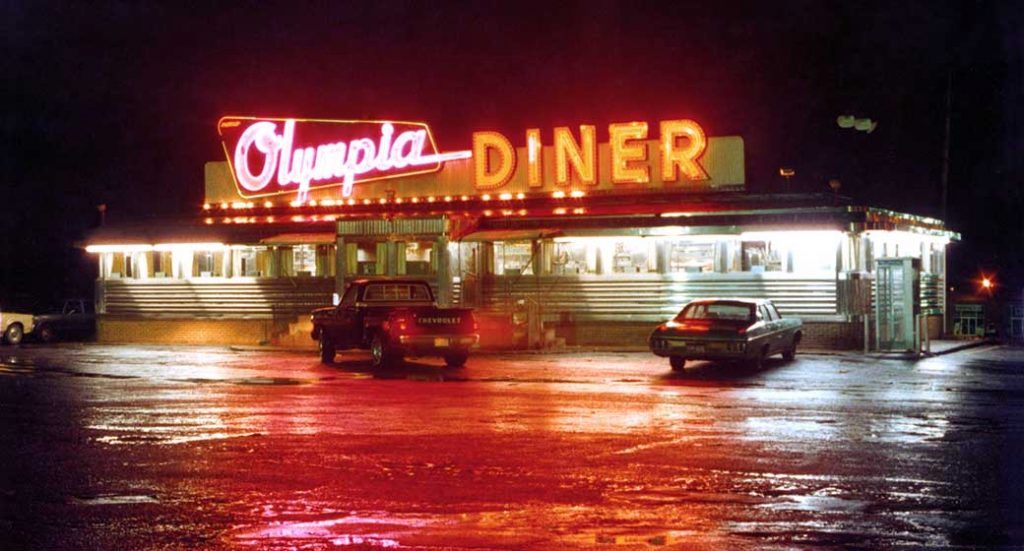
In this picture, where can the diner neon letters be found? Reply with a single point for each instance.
(682, 143)
(264, 155)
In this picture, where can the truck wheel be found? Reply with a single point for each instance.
(47, 334)
(326, 349)
(14, 333)
(382, 354)
(678, 363)
(456, 359)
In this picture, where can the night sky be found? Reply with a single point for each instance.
(116, 103)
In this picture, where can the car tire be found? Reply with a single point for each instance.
(790, 354)
(758, 362)
(678, 363)
(456, 359)
(327, 350)
(381, 353)
(14, 333)
(47, 334)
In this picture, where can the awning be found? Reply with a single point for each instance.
(512, 235)
(308, 238)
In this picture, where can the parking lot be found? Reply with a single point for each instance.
(112, 447)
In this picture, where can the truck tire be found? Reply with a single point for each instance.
(14, 333)
(46, 334)
(326, 349)
(456, 359)
(382, 354)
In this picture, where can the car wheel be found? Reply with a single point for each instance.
(326, 349)
(382, 355)
(14, 333)
(678, 363)
(790, 354)
(758, 361)
(47, 334)
(456, 359)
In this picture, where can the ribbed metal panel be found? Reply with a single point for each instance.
(402, 226)
(932, 296)
(655, 299)
(242, 298)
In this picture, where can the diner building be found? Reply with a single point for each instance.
(560, 240)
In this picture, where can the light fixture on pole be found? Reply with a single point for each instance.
(861, 125)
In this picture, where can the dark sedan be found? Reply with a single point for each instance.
(747, 330)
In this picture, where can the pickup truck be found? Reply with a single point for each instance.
(394, 318)
(76, 319)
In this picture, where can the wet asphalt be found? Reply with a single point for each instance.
(149, 447)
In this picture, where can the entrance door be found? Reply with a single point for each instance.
(897, 300)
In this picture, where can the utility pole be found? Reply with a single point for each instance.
(945, 145)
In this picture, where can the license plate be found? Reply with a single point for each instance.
(441, 341)
(698, 348)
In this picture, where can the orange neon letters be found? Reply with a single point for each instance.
(534, 158)
(582, 157)
(490, 176)
(675, 159)
(626, 143)
(682, 143)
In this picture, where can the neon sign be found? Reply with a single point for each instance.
(314, 154)
(682, 143)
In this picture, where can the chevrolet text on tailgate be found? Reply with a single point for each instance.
(394, 318)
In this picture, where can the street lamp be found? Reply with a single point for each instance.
(861, 125)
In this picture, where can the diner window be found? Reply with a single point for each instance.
(762, 256)
(691, 256)
(207, 264)
(630, 256)
(325, 260)
(573, 257)
(247, 261)
(162, 265)
(365, 258)
(513, 258)
(304, 260)
(416, 258)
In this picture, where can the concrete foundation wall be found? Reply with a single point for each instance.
(826, 335)
(184, 331)
(496, 332)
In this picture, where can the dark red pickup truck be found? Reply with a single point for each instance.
(394, 318)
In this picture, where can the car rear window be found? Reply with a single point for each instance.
(387, 292)
(717, 311)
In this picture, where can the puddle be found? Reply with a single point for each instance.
(380, 530)
(818, 503)
(112, 499)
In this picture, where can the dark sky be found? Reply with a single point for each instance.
(116, 103)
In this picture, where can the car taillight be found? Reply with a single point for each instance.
(741, 331)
